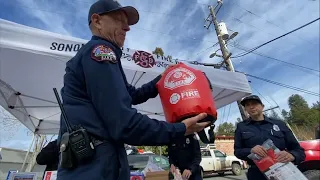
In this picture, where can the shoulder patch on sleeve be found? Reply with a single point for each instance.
(102, 53)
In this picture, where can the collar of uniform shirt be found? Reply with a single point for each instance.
(265, 119)
(117, 49)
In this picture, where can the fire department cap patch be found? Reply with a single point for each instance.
(102, 53)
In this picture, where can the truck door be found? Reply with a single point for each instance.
(221, 159)
(207, 161)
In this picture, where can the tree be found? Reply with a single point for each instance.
(158, 51)
(226, 129)
(316, 105)
(274, 115)
(300, 113)
(284, 114)
(301, 117)
(297, 101)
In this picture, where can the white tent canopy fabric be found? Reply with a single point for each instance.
(32, 62)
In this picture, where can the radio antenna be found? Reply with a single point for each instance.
(69, 128)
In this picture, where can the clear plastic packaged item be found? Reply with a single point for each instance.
(272, 169)
(177, 175)
(152, 167)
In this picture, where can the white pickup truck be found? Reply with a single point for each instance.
(215, 161)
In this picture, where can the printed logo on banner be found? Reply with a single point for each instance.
(144, 59)
(178, 77)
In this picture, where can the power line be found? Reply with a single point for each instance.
(228, 113)
(283, 85)
(253, 49)
(261, 95)
(224, 110)
(263, 55)
(266, 20)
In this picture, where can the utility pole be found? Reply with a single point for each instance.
(225, 53)
(271, 108)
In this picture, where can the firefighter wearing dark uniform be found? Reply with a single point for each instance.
(184, 154)
(251, 133)
(49, 156)
(97, 96)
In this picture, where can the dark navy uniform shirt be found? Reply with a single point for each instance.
(250, 133)
(97, 96)
(185, 153)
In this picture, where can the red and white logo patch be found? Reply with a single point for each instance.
(103, 53)
(144, 59)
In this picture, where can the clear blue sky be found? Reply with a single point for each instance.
(177, 27)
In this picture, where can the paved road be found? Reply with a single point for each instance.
(227, 176)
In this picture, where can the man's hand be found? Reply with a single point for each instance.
(284, 157)
(172, 169)
(169, 66)
(192, 124)
(186, 174)
(259, 150)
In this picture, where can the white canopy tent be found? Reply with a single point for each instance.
(33, 62)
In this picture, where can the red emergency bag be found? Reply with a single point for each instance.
(265, 163)
(185, 92)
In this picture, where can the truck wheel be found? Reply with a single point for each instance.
(201, 172)
(312, 174)
(236, 169)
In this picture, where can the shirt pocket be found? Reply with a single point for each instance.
(247, 135)
(249, 139)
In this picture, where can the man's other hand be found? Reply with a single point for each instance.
(259, 150)
(192, 124)
(172, 169)
(186, 174)
(284, 157)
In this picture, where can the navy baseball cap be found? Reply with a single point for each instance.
(250, 97)
(105, 6)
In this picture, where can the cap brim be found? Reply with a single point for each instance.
(132, 14)
(243, 102)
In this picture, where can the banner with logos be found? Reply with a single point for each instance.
(33, 61)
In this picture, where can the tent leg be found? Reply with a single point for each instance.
(37, 149)
(26, 157)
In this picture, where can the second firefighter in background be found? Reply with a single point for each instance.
(184, 154)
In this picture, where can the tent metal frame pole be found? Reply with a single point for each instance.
(26, 157)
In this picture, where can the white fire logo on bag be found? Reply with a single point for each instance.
(190, 94)
(184, 95)
(179, 77)
(174, 98)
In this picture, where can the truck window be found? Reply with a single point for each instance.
(218, 154)
(205, 153)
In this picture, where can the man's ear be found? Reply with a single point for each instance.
(95, 21)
